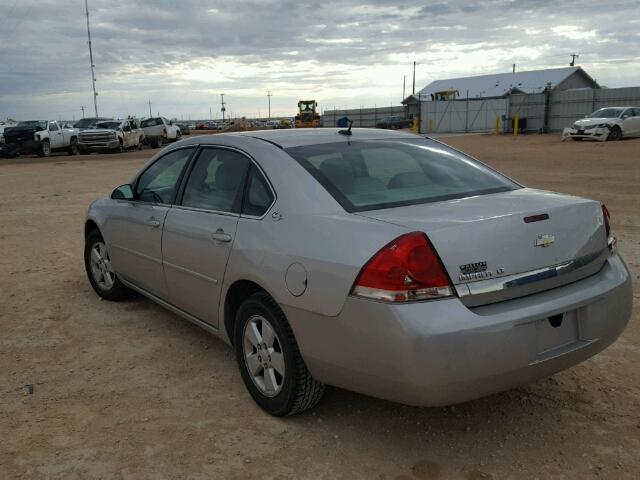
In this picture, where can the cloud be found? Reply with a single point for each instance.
(182, 55)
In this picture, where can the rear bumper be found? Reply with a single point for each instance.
(597, 133)
(441, 352)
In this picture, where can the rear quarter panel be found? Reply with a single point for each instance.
(313, 230)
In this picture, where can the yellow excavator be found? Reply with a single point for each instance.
(307, 116)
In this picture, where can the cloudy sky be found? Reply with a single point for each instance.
(182, 54)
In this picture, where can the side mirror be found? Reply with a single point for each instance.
(123, 192)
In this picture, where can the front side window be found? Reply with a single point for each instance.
(158, 183)
(53, 126)
(258, 197)
(371, 175)
(216, 181)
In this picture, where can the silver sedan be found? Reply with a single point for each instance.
(380, 262)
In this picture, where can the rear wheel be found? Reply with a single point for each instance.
(45, 149)
(73, 147)
(615, 134)
(98, 266)
(270, 363)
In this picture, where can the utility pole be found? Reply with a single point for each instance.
(93, 72)
(82, 108)
(269, 100)
(404, 82)
(210, 114)
(413, 90)
(150, 114)
(573, 59)
(222, 109)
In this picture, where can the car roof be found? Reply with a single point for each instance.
(298, 137)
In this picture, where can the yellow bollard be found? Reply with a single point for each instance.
(430, 125)
(516, 120)
(497, 125)
(414, 127)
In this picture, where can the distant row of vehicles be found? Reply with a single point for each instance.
(97, 134)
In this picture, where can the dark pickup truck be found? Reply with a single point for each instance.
(394, 122)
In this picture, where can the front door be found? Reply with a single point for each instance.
(199, 232)
(56, 140)
(134, 229)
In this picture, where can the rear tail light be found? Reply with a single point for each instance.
(611, 239)
(405, 270)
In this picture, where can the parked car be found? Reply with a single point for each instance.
(379, 262)
(159, 130)
(611, 123)
(39, 137)
(394, 122)
(4, 125)
(111, 136)
(184, 128)
(90, 122)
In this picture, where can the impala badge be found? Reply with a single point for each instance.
(545, 240)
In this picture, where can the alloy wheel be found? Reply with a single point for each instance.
(263, 356)
(101, 268)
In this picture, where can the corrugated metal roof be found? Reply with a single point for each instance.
(500, 84)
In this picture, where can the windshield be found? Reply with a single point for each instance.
(306, 106)
(606, 113)
(151, 122)
(371, 175)
(109, 125)
(87, 122)
(41, 124)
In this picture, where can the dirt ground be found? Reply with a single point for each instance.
(131, 391)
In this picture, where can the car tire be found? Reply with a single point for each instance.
(45, 149)
(73, 147)
(576, 139)
(103, 279)
(287, 387)
(178, 135)
(119, 148)
(156, 142)
(615, 134)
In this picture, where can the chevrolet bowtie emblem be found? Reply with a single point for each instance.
(545, 240)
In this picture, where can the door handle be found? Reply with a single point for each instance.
(153, 223)
(220, 236)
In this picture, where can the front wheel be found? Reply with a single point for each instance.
(270, 363)
(45, 149)
(100, 271)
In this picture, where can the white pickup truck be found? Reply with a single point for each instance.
(40, 137)
(111, 136)
(159, 130)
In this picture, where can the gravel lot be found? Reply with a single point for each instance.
(131, 391)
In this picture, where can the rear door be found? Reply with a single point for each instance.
(634, 121)
(134, 229)
(199, 231)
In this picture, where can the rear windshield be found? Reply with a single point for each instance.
(371, 175)
(151, 122)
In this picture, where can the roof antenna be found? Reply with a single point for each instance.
(347, 131)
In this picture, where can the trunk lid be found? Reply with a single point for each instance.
(486, 237)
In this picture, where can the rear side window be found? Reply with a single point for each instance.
(371, 175)
(216, 181)
(258, 196)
